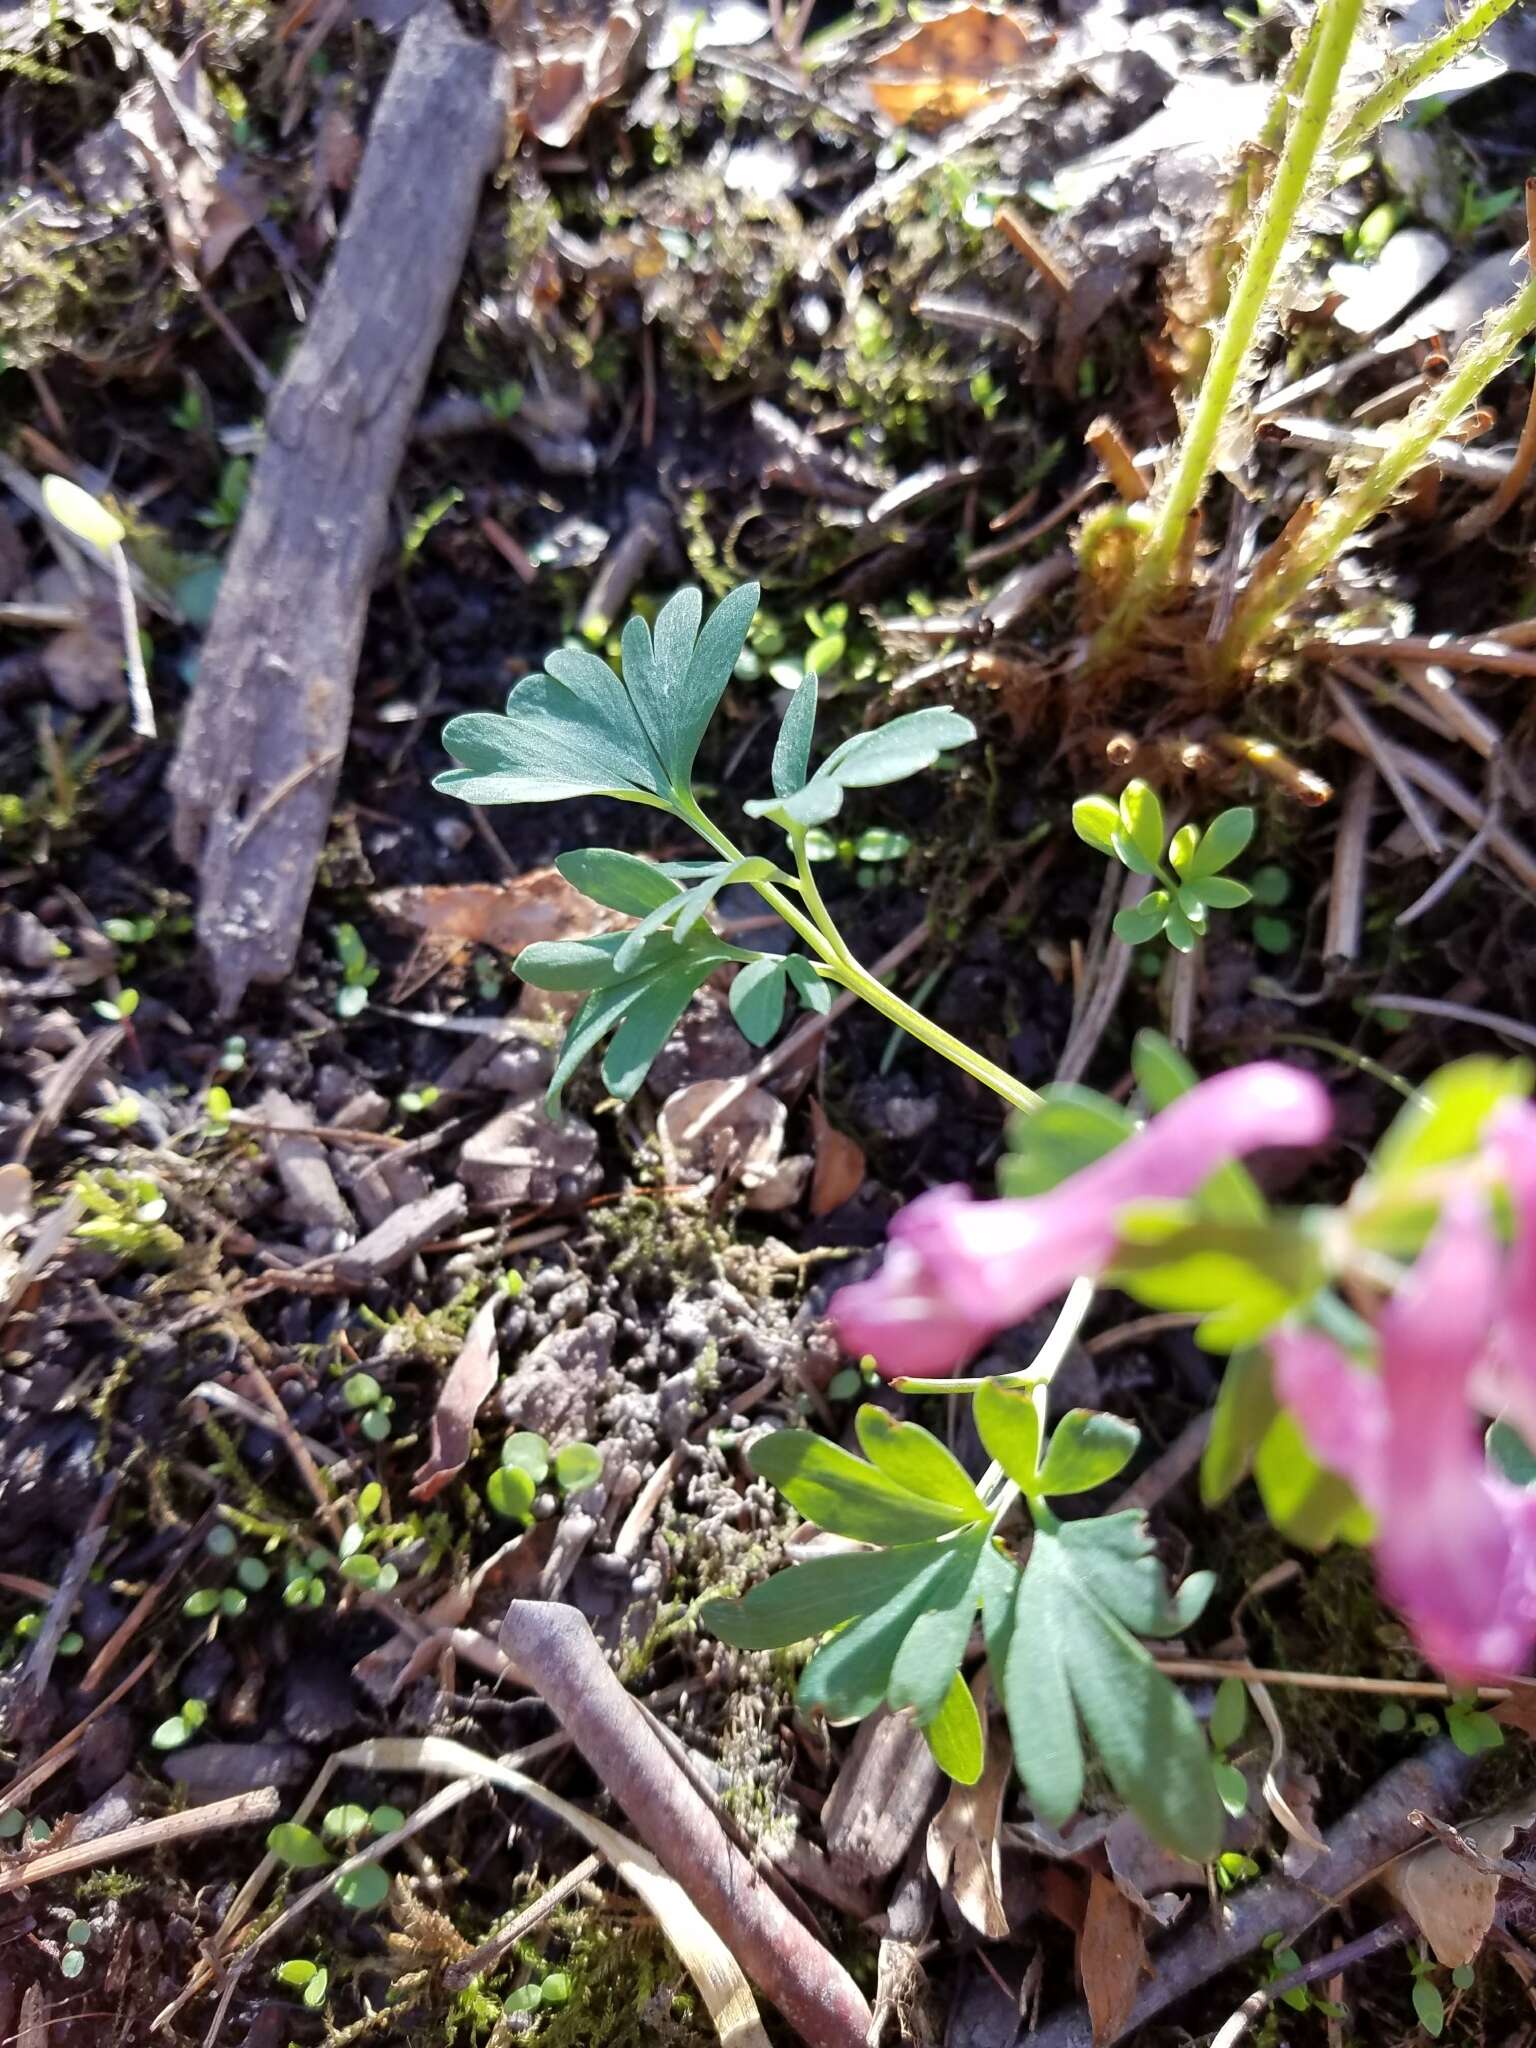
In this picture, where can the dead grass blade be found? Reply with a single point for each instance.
(244, 1810)
(722, 1986)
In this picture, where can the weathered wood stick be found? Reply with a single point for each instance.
(557, 1655)
(262, 743)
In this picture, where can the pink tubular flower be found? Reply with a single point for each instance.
(1455, 1543)
(957, 1271)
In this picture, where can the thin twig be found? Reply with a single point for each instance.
(1375, 746)
(140, 703)
(1491, 1866)
(1442, 786)
(1390, 1934)
(242, 1811)
(1457, 1013)
(1327, 1681)
(1346, 894)
(1494, 657)
(491, 1951)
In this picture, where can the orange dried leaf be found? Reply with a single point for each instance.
(470, 1379)
(839, 1171)
(950, 67)
(1111, 1956)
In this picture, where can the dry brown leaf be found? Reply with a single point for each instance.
(962, 1836)
(1518, 1711)
(84, 664)
(470, 1379)
(839, 1170)
(950, 67)
(565, 61)
(730, 1133)
(176, 125)
(1450, 1900)
(1111, 1956)
(503, 915)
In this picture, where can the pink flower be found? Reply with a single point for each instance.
(1455, 1543)
(957, 1270)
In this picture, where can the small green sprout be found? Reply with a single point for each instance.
(505, 401)
(361, 1391)
(119, 1008)
(412, 1101)
(1428, 2005)
(1134, 833)
(182, 1726)
(312, 1981)
(229, 498)
(526, 1462)
(1229, 1717)
(125, 1214)
(358, 972)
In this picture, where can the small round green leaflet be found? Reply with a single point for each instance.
(1429, 2007)
(365, 1889)
(82, 515)
(556, 1989)
(577, 1466)
(345, 1823)
(361, 1390)
(221, 1541)
(526, 1452)
(205, 1601)
(375, 1425)
(172, 1734)
(252, 1574)
(78, 1933)
(526, 1998)
(509, 1492)
(1229, 1715)
(296, 1973)
(71, 1963)
(12, 1821)
(385, 1819)
(298, 1847)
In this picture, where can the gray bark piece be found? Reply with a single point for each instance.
(302, 1166)
(401, 1235)
(263, 740)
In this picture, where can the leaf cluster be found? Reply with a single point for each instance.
(578, 729)
(1189, 868)
(1063, 1628)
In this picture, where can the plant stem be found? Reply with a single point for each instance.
(1413, 69)
(1342, 515)
(839, 965)
(1226, 374)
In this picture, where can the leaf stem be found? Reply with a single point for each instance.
(1342, 515)
(1227, 371)
(1413, 69)
(839, 965)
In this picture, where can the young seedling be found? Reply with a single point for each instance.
(1134, 833)
(578, 731)
(358, 972)
(89, 520)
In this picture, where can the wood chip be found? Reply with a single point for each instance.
(399, 1238)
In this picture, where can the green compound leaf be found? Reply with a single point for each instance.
(1243, 1278)
(915, 1459)
(1245, 1408)
(1008, 1424)
(846, 1497)
(640, 1009)
(890, 753)
(757, 998)
(1223, 840)
(792, 754)
(823, 1594)
(1096, 820)
(815, 994)
(619, 881)
(1139, 922)
(1309, 1506)
(955, 1735)
(1086, 1450)
(1141, 822)
(852, 1674)
(1070, 1662)
(1072, 1128)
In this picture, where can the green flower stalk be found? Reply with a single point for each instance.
(1476, 364)
(1413, 69)
(1229, 370)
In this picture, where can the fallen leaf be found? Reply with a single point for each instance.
(730, 1133)
(1111, 1956)
(949, 67)
(84, 664)
(506, 916)
(523, 1159)
(1063, 1896)
(565, 61)
(470, 1379)
(1450, 1900)
(962, 1836)
(1373, 293)
(838, 1173)
(1519, 1710)
(177, 126)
